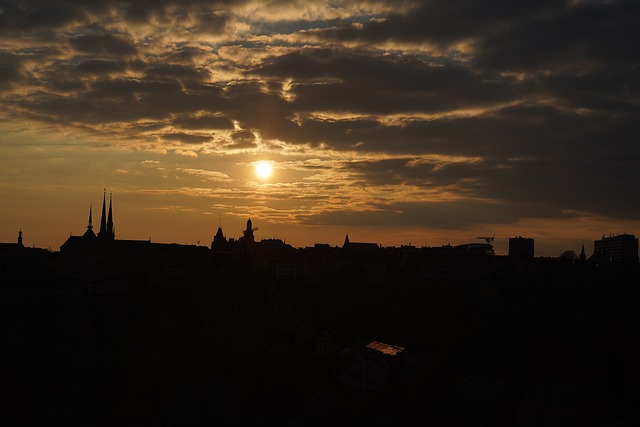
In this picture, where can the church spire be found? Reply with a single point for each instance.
(103, 219)
(110, 231)
(89, 233)
(90, 226)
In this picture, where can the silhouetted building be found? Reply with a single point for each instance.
(107, 232)
(101, 264)
(248, 233)
(462, 262)
(219, 242)
(583, 256)
(12, 247)
(245, 244)
(89, 234)
(82, 245)
(358, 245)
(620, 248)
(479, 248)
(521, 247)
(375, 366)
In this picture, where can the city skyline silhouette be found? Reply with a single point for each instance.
(250, 330)
(375, 119)
(317, 212)
(107, 228)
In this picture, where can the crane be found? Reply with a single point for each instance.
(486, 239)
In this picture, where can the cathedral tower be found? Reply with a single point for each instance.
(107, 231)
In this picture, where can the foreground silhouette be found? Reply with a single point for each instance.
(127, 332)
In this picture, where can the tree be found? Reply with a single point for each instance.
(569, 255)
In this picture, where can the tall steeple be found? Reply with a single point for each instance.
(583, 255)
(110, 231)
(89, 232)
(248, 233)
(20, 238)
(90, 226)
(103, 219)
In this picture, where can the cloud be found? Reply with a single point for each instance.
(186, 138)
(203, 122)
(103, 44)
(10, 70)
(243, 139)
(586, 36)
(433, 215)
(400, 111)
(25, 16)
(101, 66)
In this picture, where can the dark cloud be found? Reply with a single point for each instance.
(393, 171)
(186, 138)
(126, 100)
(182, 53)
(519, 131)
(10, 70)
(591, 34)
(443, 23)
(211, 22)
(177, 71)
(436, 214)
(382, 84)
(111, 100)
(103, 44)
(546, 186)
(203, 122)
(243, 139)
(101, 66)
(25, 15)
(142, 11)
(28, 15)
(125, 88)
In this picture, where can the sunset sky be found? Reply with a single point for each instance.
(397, 122)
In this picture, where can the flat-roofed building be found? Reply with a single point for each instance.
(619, 248)
(521, 247)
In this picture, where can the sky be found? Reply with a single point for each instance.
(397, 122)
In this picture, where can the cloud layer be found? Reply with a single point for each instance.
(426, 114)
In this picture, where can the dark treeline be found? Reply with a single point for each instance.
(237, 343)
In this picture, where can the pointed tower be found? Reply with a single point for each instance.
(219, 241)
(346, 241)
(248, 233)
(111, 234)
(583, 255)
(89, 233)
(20, 238)
(103, 219)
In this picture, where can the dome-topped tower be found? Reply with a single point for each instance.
(248, 233)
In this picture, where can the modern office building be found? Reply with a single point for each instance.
(620, 248)
(521, 247)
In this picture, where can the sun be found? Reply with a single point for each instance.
(264, 169)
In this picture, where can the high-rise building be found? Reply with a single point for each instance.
(620, 248)
(521, 247)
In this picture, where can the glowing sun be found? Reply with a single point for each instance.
(264, 170)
